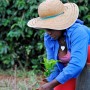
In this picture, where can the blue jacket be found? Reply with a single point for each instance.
(77, 39)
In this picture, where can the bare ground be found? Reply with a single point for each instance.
(13, 83)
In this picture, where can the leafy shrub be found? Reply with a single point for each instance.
(20, 44)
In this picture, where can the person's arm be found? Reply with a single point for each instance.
(79, 47)
(50, 50)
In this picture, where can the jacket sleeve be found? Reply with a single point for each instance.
(79, 46)
(49, 45)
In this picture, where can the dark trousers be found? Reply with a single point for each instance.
(83, 81)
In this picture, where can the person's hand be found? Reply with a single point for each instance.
(49, 85)
(43, 81)
(46, 86)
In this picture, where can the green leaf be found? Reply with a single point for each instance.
(15, 34)
(39, 46)
(3, 47)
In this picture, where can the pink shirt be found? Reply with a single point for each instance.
(66, 58)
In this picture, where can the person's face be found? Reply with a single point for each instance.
(54, 33)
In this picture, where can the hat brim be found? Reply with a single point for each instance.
(59, 22)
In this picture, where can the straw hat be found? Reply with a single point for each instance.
(53, 14)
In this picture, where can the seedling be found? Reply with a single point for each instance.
(49, 65)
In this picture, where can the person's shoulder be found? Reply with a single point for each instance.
(78, 30)
(49, 42)
(48, 37)
(78, 26)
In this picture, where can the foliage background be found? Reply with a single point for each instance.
(19, 44)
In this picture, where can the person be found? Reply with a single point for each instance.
(66, 39)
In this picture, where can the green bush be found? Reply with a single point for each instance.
(20, 44)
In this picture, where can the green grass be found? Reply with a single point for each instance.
(19, 80)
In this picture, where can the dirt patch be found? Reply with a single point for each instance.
(13, 83)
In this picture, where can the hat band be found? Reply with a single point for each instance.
(52, 16)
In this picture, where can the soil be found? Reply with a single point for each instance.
(11, 82)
